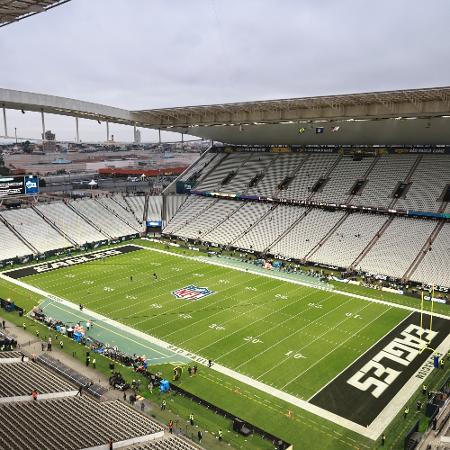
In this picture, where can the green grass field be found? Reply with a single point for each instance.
(291, 337)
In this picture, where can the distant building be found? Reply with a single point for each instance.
(137, 137)
(49, 143)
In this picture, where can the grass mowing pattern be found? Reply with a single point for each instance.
(291, 337)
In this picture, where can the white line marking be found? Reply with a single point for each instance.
(287, 280)
(353, 362)
(369, 432)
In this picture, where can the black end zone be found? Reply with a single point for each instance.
(363, 406)
(67, 262)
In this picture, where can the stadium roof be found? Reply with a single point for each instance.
(15, 10)
(360, 118)
(329, 106)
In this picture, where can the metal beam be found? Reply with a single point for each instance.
(5, 126)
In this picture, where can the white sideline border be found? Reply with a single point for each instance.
(288, 280)
(373, 431)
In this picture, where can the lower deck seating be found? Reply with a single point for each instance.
(261, 236)
(349, 240)
(204, 223)
(20, 378)
(243, 219)
(333, 238)
(11, 246)
(121, 210)
(71, 423)
(70, 223)
(307, 233)
(191, 208)
(42, 236)
(434, 268)
(102, 218)
(397, 247)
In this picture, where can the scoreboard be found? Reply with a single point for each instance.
(15, 186)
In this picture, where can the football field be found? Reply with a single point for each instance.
(295, 339)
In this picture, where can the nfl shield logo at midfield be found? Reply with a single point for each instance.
(192, 292)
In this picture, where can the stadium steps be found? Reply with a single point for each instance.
(54, 226)
(415, 264)
(443, 207)
(253, 225)
(19, 236)
(325, 238)
(327, 174)
(365, 177)
(288, 230)
(372, 242)
(292, 174)
(408, 177)
(86, 219)
(413, 169)
(118, 215)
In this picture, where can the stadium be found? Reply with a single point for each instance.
(288, 289)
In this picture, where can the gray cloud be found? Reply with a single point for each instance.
(154, 53)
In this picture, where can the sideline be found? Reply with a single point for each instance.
(336, 291)
(370, 433)
(373, 431)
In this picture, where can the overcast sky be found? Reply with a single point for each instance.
(160, 53)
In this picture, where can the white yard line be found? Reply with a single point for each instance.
(353, 362)
(372, 432)
(200, 360)
(316, 338)
(289, 336)
(332, 350)
(288, 280)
